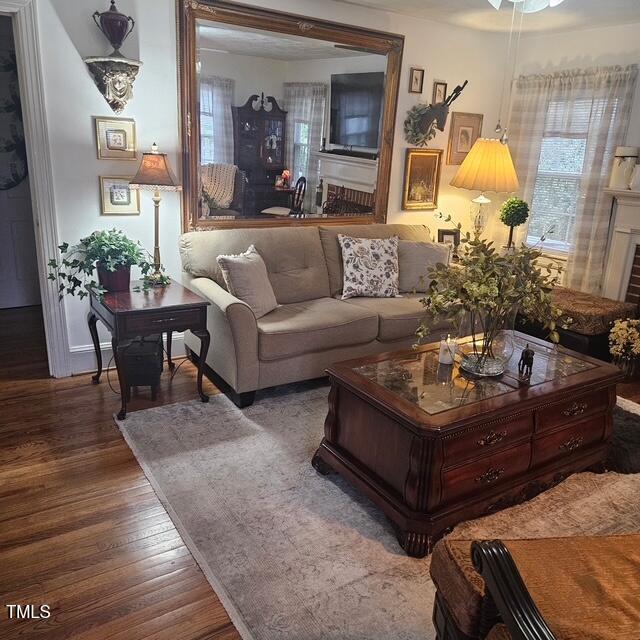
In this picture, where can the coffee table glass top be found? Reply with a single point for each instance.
(434, 387)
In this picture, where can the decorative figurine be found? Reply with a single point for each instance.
(525, 364)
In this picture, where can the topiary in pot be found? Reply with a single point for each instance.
(109, 253)
(513, 213)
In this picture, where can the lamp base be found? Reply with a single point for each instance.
(156, 279)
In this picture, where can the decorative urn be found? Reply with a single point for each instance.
(114, 25)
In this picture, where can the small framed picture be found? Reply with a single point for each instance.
(117, 197)
(465, 129)
(116, 138)
(421, 179)
(439, 92)
(449, 236)
(416, 80)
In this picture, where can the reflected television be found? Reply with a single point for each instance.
(356, 109)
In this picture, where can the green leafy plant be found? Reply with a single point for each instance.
(489, 285)
(108, 250)
(513, 213)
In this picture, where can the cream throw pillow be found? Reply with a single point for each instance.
(370, 267)
(415, 259)
(246, 278)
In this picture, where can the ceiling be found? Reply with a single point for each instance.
(263, 44)
(479, 14)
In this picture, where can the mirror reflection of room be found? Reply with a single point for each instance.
(289, 126)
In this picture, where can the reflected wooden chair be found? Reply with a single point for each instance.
(297, 201)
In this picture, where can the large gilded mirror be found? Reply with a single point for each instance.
(286, 120)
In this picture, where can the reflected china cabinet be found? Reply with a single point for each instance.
(259, 128)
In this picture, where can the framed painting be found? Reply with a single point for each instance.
(439, 92)
(117, 197)
(116, 138)
(416, 80)
(421, 179)
(464, 130)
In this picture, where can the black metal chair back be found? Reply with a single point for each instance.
(297, 198)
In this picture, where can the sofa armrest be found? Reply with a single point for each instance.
(233, 354)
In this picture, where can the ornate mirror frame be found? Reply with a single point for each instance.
(389, 44)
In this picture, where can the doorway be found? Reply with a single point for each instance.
(22, 340)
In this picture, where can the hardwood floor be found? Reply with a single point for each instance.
(81, 528)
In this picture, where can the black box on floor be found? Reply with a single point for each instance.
(143, 361)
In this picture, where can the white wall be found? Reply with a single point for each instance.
(582, 49)
(251, 74)
(68, 34)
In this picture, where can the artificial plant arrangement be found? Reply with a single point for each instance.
(513, 213)
(483, 292)
(624, 345)
(109, 253)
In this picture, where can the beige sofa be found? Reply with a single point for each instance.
(311, 328)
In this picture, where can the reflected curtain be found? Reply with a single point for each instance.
(305, 103)
(216, 120)
(591, 104)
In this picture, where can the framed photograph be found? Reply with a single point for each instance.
(117, 197)
(116, 138)
(416, 80)
(421, 179)
(449, 236)
(465, 129)
(439, 92)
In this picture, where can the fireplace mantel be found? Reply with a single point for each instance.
(623, 239)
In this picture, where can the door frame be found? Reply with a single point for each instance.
(30, 77)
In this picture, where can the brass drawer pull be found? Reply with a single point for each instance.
(164, 320)
(575, 409)
(572, 443)
(489, 476)
(492, 438)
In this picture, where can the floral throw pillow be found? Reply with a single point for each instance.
(370, 267)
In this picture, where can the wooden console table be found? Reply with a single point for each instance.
(432, 446)
(130, 314)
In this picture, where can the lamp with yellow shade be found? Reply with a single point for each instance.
(155, 174)
(487, 167)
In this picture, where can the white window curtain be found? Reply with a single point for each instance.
(564, 130)
(216, 120)
(305, 103)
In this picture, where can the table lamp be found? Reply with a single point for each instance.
(487, 167)
(155, 174)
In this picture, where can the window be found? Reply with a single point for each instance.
(561, 170)
(300, 149)
(207, 155)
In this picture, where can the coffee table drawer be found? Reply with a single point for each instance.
(476, 476)
(569, 440)
(158, 322)
(573, 408)
(487, 439)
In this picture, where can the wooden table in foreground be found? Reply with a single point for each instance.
(129, 314)
(432, 447)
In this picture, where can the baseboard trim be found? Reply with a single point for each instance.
(83, 357)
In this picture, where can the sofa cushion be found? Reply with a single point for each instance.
(370, 267)
(293, 257)
(415, 259)
(591, 315)
(314, 325)
(399, 317)
(585, 587)
(333, 254)
(246, 278)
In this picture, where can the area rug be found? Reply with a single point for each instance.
(298, 556)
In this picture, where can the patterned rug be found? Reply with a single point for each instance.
(298, 556)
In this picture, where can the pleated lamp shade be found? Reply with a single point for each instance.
(487, 167)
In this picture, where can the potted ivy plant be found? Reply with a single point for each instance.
(109, 253)
(513, 213)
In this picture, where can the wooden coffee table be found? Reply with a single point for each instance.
(432, 446)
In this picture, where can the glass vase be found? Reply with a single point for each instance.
(489, 343)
